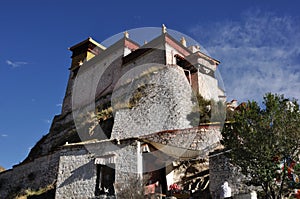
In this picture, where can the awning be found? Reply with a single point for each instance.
(106, 159)
(185, 64)
(178, 152)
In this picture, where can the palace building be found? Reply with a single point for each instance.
(129, 124)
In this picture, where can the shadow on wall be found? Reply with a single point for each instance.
(81, 173)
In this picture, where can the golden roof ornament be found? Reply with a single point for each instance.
(164, 29)
(126, 34)
(183, 41)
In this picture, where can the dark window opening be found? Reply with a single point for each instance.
(188, 68)
(188, 76)
(155, 176)
(105, 180)
(106, 126)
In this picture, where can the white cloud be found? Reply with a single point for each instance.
(258, 54)
(59, 105)
(15, 64)
(4, 135)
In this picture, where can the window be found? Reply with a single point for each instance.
(105, 180)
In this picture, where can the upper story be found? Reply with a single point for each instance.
(126, 54)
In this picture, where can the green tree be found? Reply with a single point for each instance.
(264, 142)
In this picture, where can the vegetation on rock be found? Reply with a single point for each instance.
(209, 111)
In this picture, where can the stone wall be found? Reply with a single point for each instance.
(221, 170)
(77, 168)
(76, 174)
(33, 175)
(166, 104)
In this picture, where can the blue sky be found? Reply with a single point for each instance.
(257, 42)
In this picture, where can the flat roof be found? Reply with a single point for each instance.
(91, 40)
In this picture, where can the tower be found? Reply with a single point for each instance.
(81, 52)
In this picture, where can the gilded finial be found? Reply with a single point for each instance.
(126, 34)
(183, 41)
(164, 29)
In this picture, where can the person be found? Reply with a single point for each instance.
(226, 191)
